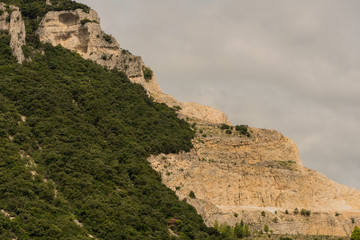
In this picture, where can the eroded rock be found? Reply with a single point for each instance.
(235, 175)
(11, 21)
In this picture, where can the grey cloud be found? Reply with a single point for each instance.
(283, 64)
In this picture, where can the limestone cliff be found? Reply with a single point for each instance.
(11, 21)
(235, 175)
(81, 32)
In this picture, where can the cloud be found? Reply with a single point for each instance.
(282, 64)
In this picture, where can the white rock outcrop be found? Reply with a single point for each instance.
(11, 21)
(235, 175)
(81, 32)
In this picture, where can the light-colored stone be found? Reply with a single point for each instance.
(81, 32)
(88, 39)
(247, 175)
(16, 28)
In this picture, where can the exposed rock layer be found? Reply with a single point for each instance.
(81, 32)
(228, 173)
(11, 21)
(235, 174)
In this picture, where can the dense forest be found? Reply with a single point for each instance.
(74, 138)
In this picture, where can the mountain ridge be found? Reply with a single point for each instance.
(218, 147)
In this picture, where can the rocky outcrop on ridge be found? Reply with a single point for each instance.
(237, 177)
(81, 32)
(11, 21)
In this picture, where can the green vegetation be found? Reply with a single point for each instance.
(148, 73)
(296, 211)
(263, 213)
(228, 131)
(243, 129)
(266, 228)
(89, 130)
(108, 38)
(355, 235)
(86, 20)
(192, 194)
(238, 231)
(305, 212)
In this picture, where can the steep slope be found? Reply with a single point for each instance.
(74, 142)
(77, 136)
(235, 176)
(81, 32)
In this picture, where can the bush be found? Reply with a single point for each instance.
(355, 235)
(266, 228)
(108, 38)
(228, 131)
(243, 129)
(224, 126)
(263, 213)
(296, 211)
(192, 194)
(86, 20)
(148, 73)
(305, 212)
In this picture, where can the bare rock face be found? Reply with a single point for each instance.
(237, 177)
(81, 32)
(11, 21)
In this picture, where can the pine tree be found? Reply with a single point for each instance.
(246, 231)
(239, 231)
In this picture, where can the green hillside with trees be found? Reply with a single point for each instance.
(74, 138)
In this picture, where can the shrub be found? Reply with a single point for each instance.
(263, 213)
(192, 194)
(86, 20)
(305, 212)
(286, 211)
(108, 38)
(236, 215)
(337, 214)
(266, 228)
(224, 126)
(296, 211)
(243, 129)
(148, 73)
(355, 235)
(228, 131)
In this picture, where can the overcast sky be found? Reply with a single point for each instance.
(288, 65)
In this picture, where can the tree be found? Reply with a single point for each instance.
(192, 194)
(266, 228)
(239, 231)
(246, 230)
(356, 233)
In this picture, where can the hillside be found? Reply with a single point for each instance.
(91, 148)
(74, 142)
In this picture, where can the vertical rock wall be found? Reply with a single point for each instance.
(11, 21)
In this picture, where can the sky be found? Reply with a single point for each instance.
(288, 65)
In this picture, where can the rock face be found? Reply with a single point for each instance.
(11, 21)
(81, 32)
(235, 175)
